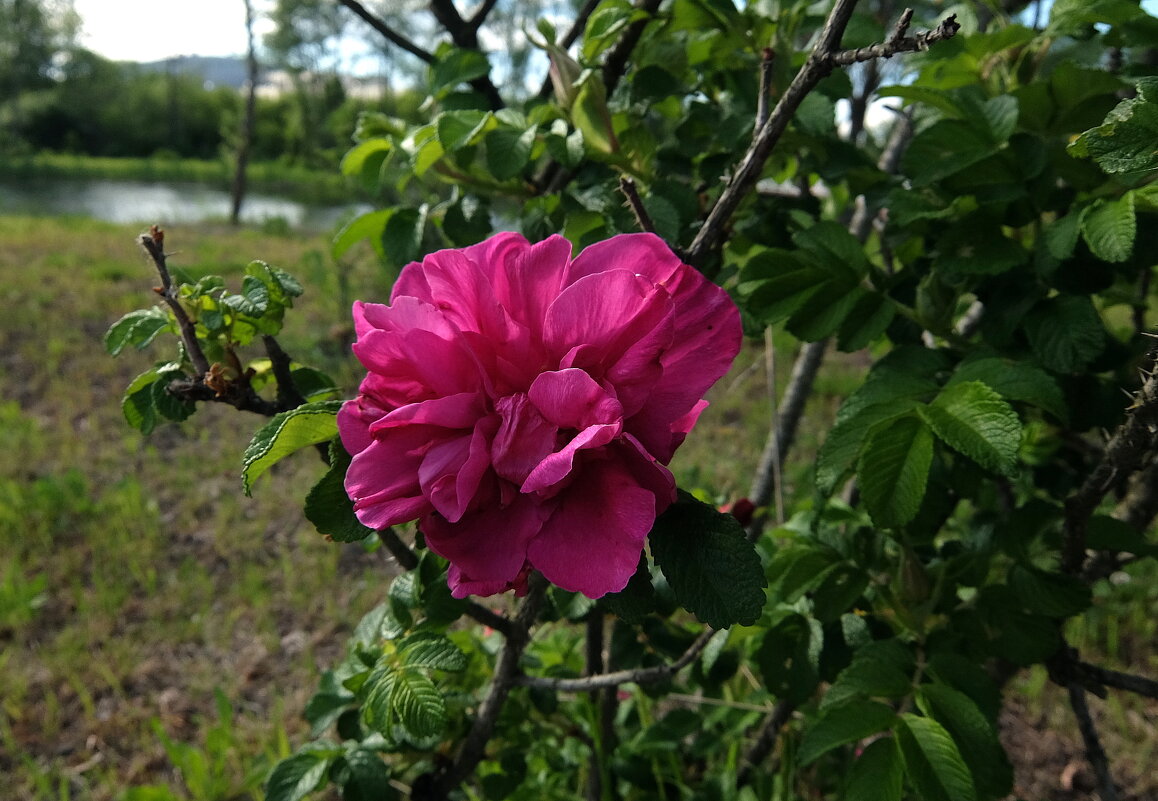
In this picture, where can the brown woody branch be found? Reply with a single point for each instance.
(765, 741)
(635, 203)
(899, 42)
(387, 32)
(154, 244)
(615, 62)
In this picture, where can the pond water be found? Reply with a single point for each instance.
(163, 204)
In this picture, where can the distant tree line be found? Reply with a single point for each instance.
(56, 96)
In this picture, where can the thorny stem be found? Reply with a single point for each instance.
(506, 675)
(615, 678)
(1132, 441)
(635, 203)
(899, 42)
(153, 243)
(821, 61)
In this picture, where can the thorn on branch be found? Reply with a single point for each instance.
(635, 203)
(899, 42)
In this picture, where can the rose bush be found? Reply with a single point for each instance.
(523, 405)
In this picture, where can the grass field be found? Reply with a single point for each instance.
(160, 631)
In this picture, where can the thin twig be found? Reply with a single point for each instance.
(635, 203)
(505, 677)
(1094, 751)
(389, 33)
(1139, 685)
(618, 677)
(774, 442)
(154, 244)
(288, 396)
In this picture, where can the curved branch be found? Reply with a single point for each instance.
(389, 33)
(614, 679)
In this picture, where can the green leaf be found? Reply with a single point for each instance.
(298, 776)
(1050, 594)
(789, 656)
(139, 402)
(839, 590)
(508, 151)
(329, 507)
(712, 568)
(164, 402)
(933, 761)
(455, 67)
(365, 159)
(458, 129)
(402, 236)
(974, 420)
(635, 601)
(975, 737)
(137, 328)
(878, 773)
(866, 321)
(405, 698)
(877, 400)
(846, 722)
(976, 246)
(367, 226)
(945, 148)
(367, 777)
(1128, 139)
(882, 668)
(1109, 228)
(309, 424)
(1016, 381)
(893, 469)
(1065, 332)
(429, 650)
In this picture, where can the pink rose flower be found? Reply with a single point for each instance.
(523, 405)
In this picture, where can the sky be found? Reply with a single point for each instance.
(152, 30)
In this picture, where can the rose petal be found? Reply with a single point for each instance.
(592, 542)
(382, 479)
(572, 399)
(524, 438)
(489, 545)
